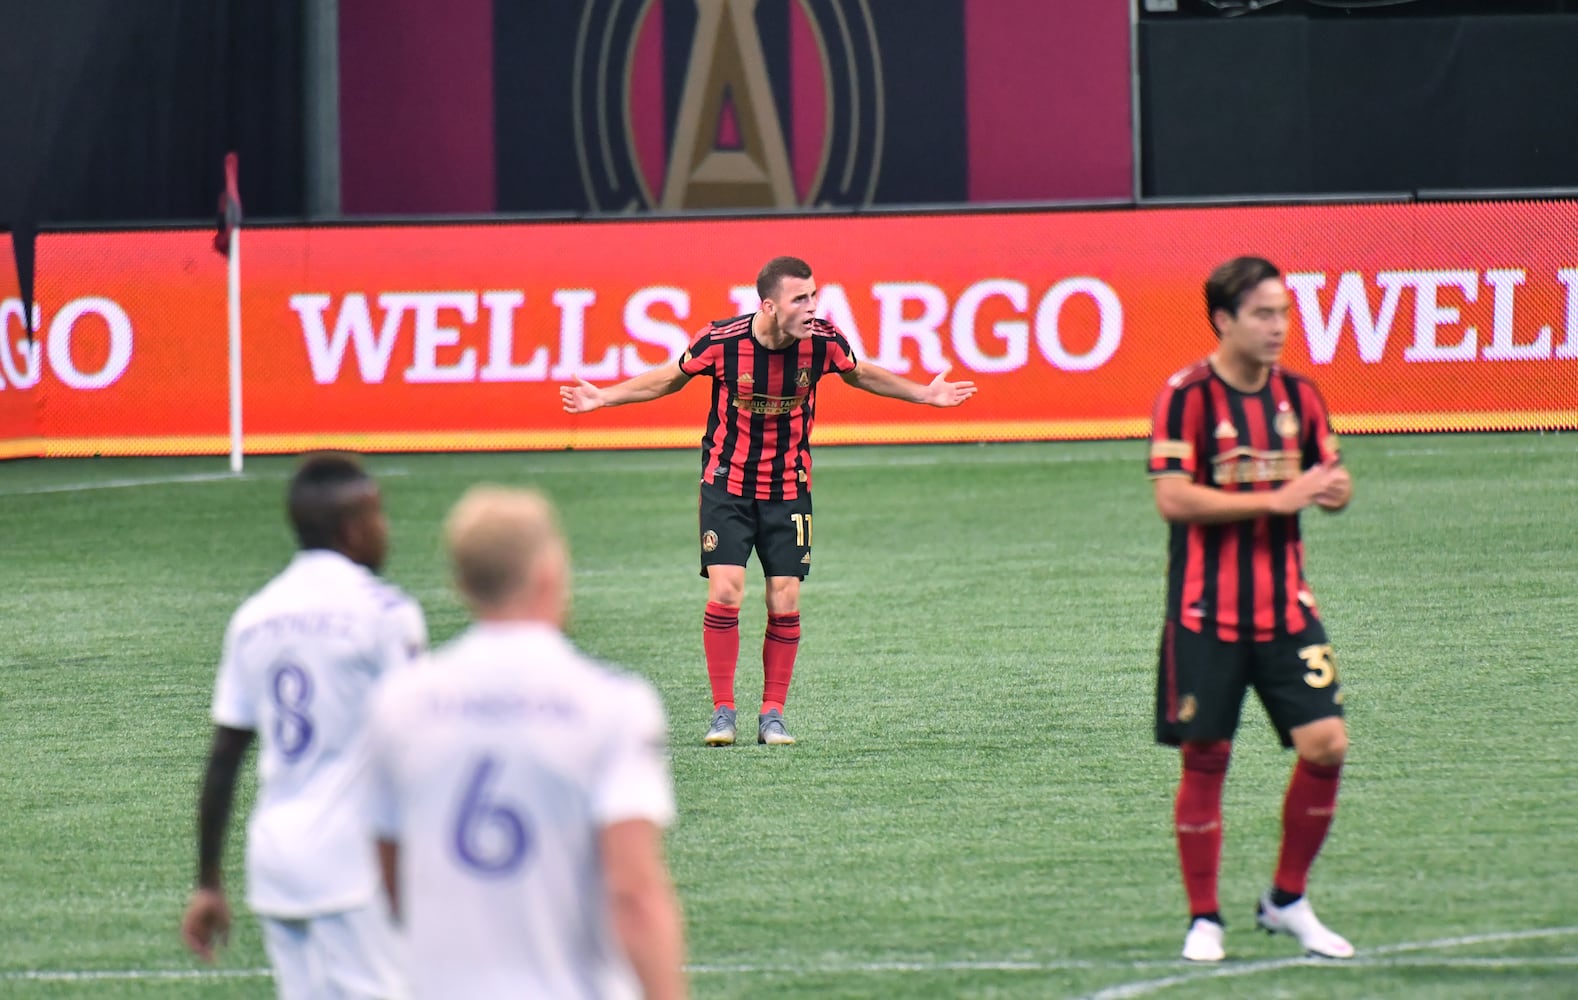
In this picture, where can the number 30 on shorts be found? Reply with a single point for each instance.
(1322, 664)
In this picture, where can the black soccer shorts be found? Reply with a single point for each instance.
(779, 531)
(1201, 681)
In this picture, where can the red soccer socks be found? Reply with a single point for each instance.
(1197, 816)
(1307, 813)
(720, 640)
(779, 647)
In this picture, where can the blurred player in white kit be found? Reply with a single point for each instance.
(301, 659)
(521, 790)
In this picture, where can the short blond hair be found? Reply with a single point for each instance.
(496, 537)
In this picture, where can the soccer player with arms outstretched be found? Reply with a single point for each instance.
(756, 467)
(300, 661)
(1239, 446)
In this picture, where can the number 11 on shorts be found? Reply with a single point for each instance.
(802, 529)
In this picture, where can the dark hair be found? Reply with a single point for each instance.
(1227, 286)
(323, 491)
(775, 271)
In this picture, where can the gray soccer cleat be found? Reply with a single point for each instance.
(770, 729)
(721, 732)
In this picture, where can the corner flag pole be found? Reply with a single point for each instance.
(228, 242)
(235, 350)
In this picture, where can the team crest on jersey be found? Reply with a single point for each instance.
(1187, 708)
(1286, 423)
(1225, 429)
(743, 130)
(803, 380)
(709, 540)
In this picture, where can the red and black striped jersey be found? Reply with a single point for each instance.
(758, 439)
(1244, 579)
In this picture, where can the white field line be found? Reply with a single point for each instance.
(1439, 452)
(1385, 956)
(193, 477)
(829, 458)
(836, 458)
(1368, 958)
(49, 976)
(115, 484)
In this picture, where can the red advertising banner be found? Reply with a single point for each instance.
(1409, 316)
(19, 366)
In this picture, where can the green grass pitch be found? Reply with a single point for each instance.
(975, 808)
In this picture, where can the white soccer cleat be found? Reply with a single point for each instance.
(1204, 943)
(1298, 919)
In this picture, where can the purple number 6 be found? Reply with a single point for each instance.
(502, 852)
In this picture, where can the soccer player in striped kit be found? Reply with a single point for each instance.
(756, 467)
(1239, 446)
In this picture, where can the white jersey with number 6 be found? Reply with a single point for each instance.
(301, 659)
(495, 767)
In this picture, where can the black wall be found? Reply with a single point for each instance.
(1322, 104)
(122, 111)
(117, 110)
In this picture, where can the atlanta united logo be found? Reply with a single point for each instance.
(682, 104)
(1286, 423)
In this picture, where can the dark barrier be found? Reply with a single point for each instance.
(1301, 105)
(20, 367)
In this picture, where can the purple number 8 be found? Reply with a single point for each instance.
(292, 726)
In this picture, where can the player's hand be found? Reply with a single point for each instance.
(941, 392)
(1296, 494)
(1338, 491)
(582, 397)
(206, 922)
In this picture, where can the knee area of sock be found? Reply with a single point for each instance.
(781, 605)
(1326, 758)
(1207, 758)
(1327, 750)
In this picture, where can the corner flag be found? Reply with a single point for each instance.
(228, 242)
(229, 205)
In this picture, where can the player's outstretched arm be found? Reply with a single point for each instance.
(206, 921)
(583, 396)
(644, 906)
(938, 392)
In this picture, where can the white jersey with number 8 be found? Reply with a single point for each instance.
(301, 659)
